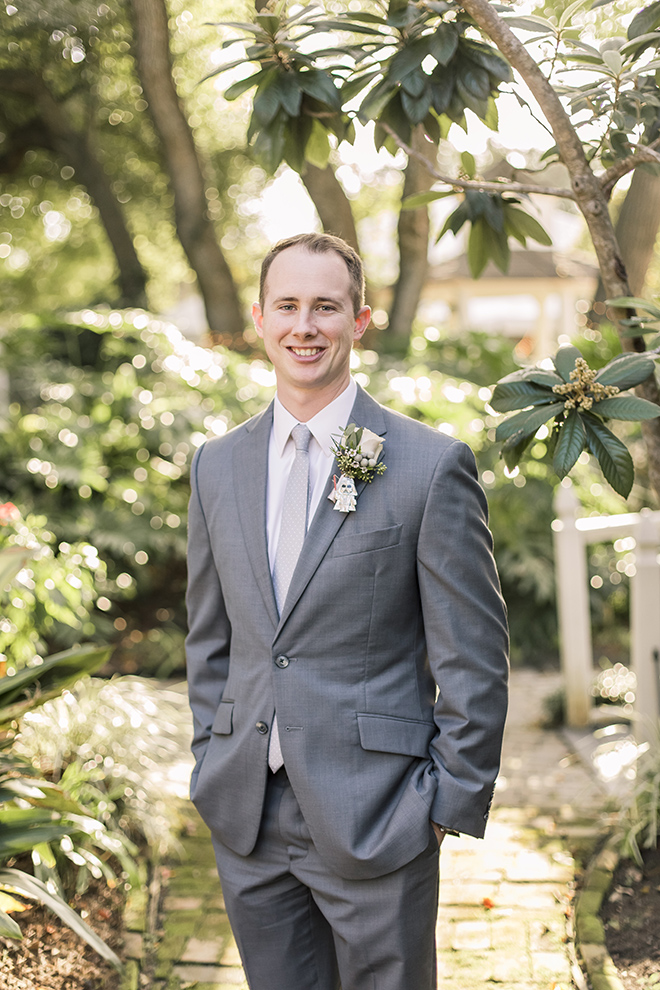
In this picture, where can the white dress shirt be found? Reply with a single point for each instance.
(326, 424)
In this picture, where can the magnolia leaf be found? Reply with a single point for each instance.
(423, 199)
(542, 377)
(644, 21)
(570, 445)
(527, 422)
(238, 88)
(34, 888)
(626, 370)
(443, 43)
(320, 85)
(469, 164)
(627, 407)
(317, 149)
(518, 395)
(634, 302)
(612, 455)
(8, 927)
(289, 93)
(526, 226)
(514, 448)
(532, 22)
(12, 560)
(477, 250)
(565, 359)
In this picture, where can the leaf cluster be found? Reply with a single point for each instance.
(35, 813)
(413, 65)
(542, 394)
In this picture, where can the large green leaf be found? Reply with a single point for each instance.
(317, 149)
(320, 85)
(497, 245)
(514, 448)
(35, 889)
(521, 225)
(22, 837)
(626, 407)
(416, 108)
(242, 86)
(542, 377)
(565, 359)
(289, 92)
(477, 249)
(570, 445)
(408, 59)
(527, 422)
(612, 455)
(626, 370)
(8, 927)
(12, 560)
(267, 99)
(518, 395)
(443, 43)
(31, 686)
(645, 21)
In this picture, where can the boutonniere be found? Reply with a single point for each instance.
(357, 452)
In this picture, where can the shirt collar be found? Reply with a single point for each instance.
(325, 425)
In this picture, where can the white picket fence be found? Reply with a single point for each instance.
(572, 536)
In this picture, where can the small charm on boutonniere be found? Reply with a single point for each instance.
(357, 452)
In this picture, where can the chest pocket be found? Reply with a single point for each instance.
(377, 539)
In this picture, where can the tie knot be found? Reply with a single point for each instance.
(301, 436)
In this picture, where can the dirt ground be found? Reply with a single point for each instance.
(632, 922)
(51, 957)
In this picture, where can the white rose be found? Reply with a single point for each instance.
(371, 444)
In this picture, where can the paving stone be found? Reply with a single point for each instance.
(199, 950)
(549, 965)
(133, 945)
(231, 956)
(507, 967)
(529, 895)
(195, 973)
(183, 903)
(472, 935)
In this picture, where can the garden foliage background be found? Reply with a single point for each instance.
(106, 410)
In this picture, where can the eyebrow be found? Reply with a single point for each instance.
(318, 299)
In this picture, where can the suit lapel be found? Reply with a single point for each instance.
(327, 521)
(250, 471)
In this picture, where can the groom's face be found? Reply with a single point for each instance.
(308, 323)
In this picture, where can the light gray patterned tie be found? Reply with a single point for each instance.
(292, 533)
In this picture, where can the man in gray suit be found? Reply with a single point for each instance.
(347, 659)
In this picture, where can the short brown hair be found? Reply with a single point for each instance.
(319, 244)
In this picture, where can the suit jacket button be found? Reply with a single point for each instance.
(282, 661)
(262, 728)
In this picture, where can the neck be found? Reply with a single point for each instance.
(303, 404)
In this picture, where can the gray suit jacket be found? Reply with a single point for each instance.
(387, 666)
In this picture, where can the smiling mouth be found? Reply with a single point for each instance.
(306, 351)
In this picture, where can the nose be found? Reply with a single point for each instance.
(304, 327)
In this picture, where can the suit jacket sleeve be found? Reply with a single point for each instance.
(209, 636)
(467, 642)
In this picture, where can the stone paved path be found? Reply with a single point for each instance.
(505, 901)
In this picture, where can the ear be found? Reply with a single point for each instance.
(258, 319)
(361, 322)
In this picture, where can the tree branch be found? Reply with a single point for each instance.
(483, 185)
(642, 153)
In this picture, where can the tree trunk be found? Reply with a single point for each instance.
(413, 237)
(194, 227)
(637, 228)
(588, 193)
(331, 202)
(52, 129)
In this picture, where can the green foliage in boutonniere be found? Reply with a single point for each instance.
(358, 451)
